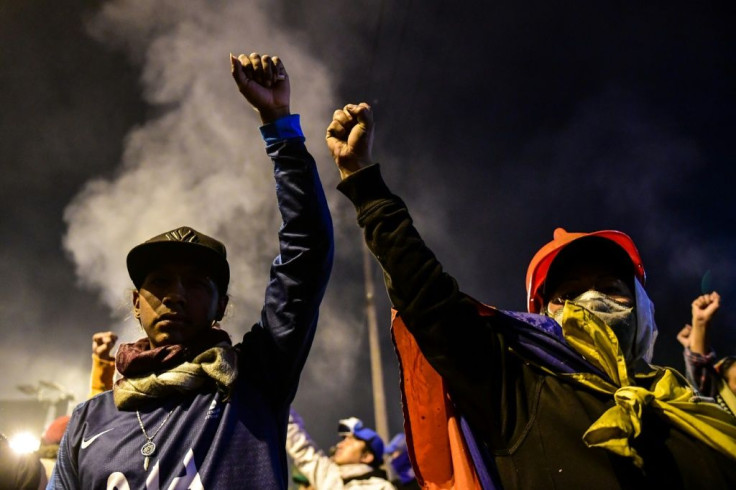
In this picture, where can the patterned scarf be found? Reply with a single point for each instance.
(150, 374)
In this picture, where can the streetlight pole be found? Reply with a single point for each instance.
(379, 394)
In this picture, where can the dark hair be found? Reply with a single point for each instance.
(377, 462)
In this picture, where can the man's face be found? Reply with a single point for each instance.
(176, 302)
(352, 450)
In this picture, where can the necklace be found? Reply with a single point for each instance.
(149, 447)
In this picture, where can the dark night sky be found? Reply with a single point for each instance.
(496, 121)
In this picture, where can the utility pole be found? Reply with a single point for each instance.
(379, 394)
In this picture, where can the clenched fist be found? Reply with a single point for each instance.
(350, 138)
(263, 81)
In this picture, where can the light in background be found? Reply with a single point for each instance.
(24, 442)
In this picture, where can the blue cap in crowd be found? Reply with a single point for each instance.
(354, 426)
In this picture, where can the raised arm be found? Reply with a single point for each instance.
(103, 363)
(703, 309)
(300, 272)
(699, 356)
(444, 321)
(319, 469)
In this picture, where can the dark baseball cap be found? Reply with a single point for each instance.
(182, 243)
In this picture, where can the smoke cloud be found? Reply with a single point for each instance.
(200, 161)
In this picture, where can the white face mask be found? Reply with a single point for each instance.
(620, 317)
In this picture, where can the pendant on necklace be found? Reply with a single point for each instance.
(149, 447)
(147, 450)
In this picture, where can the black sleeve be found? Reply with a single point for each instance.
(463, 346)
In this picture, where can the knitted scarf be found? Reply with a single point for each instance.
(154, 373)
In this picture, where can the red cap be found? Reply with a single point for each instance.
(55, 430)
(539, 266)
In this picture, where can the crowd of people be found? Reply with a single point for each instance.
(564, 395)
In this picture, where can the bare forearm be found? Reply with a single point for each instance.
(699, 342)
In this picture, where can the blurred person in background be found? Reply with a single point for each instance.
(397, 454)
(101, 380)
(713, 378)
(357, 461)
(20, 471)
(103, 362)
(50, 440)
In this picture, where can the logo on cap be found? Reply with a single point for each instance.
(183, 234)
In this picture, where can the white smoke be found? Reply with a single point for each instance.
(201, 161)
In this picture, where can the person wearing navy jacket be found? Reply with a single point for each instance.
(191, 410)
